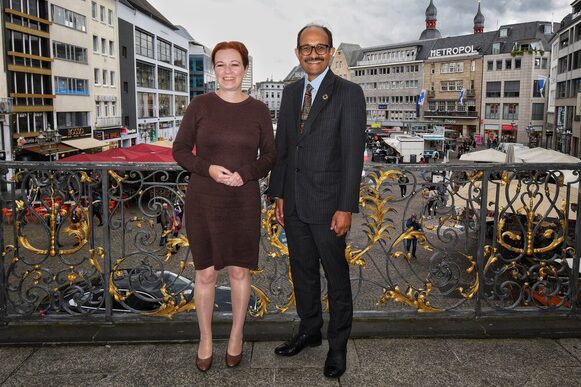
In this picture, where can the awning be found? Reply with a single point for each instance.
(54, 149)
(508, 127)
(85, 143)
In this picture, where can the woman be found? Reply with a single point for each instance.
(222, 212)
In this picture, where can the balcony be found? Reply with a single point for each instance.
(513, 256)
(455, 114)
(106, 122)
(470, 93)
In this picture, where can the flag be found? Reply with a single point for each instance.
(420, 101)
(541, 80)
(461, 98)
(422, 97)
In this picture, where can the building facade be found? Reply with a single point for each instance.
(345, 57)
(391, 78)
(516, 65)
(270, 92)
(106, 83)
(5, 103)
(29, 74)
(567, 117)
(201, 70)
(154, 71)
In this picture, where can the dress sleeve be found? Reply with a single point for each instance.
(185, 141)
(264, 163)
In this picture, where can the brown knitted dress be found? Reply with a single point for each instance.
(223, 222)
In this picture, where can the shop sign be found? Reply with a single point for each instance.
(462, 50)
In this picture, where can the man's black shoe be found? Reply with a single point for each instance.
(297, 344)
(336, 363)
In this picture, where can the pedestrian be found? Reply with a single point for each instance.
(430, 195)
(164, 219)
(97, 206)
(412, 242)
(228, 129)
(403, 180)
(316, 183)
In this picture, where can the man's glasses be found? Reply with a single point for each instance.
(320, 49)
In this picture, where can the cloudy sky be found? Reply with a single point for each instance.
(269, 27)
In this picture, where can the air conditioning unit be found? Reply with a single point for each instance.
(5, 105)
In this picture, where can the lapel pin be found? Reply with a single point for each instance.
(325, 97)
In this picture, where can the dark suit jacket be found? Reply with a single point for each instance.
(319, 172)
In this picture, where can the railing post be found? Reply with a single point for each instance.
(106, 244)
(2, 272)
(575, 268)
(480, 263)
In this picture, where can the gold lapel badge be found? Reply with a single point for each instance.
(325, 97)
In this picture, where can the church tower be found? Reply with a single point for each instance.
(431, 32)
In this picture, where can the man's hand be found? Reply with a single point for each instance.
(279, 211)
(341, 222)
(219, 174)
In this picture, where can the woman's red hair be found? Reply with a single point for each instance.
(238, 46)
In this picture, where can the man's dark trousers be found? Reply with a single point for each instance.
(308, 245)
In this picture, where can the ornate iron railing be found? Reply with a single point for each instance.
(491, 239)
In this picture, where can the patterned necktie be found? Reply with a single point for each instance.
(307, 102)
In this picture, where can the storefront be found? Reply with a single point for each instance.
(508, 133)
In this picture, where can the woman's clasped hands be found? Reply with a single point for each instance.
(225, 176)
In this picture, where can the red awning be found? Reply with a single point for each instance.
(508, 127)
(142, 153)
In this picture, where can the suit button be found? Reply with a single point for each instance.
(297, 170)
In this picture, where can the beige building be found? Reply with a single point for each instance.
(5, 143)
(105, 84)
(514, 104)
(345, 56)
(453, 81)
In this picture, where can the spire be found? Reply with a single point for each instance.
(479, 21)
(431, 31)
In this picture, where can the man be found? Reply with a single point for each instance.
(412, 243)
(320, 142)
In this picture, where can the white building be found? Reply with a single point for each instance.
(154, 71)
(105, 85)
(270, 92)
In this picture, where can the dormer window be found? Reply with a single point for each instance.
(503, 32)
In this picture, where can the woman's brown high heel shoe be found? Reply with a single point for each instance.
(233, 361)
(204, 364)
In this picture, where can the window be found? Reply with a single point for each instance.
(98, 108)
(145, 75)
(111, 48)
(180, 57)
(125, 87)
(72, 119)
(510, 111)
(102, 14)
(69, 52)
(143, 44)
(110, 17)
(95, 43)
(508, 64)
(112, 78)
(493, 89)
(71, 86)
(492, 111)
(511, 89)
(124, 51)
(97, 74)
(104, 79)
(448, 68)
(538, 112)
(103, 46)
(68, 18)
(163, 51)
(93, 10)
(164, 78)
(499, 65)
(489, 65)
(165, 105)
(503, 32)
(517, 62)
(181, 81)
(145, 103)
(451, 85)
(113, 109)
(495, 48)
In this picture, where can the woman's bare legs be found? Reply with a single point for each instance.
(240, 293)
(204, 294)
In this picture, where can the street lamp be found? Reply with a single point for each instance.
(49, 137)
